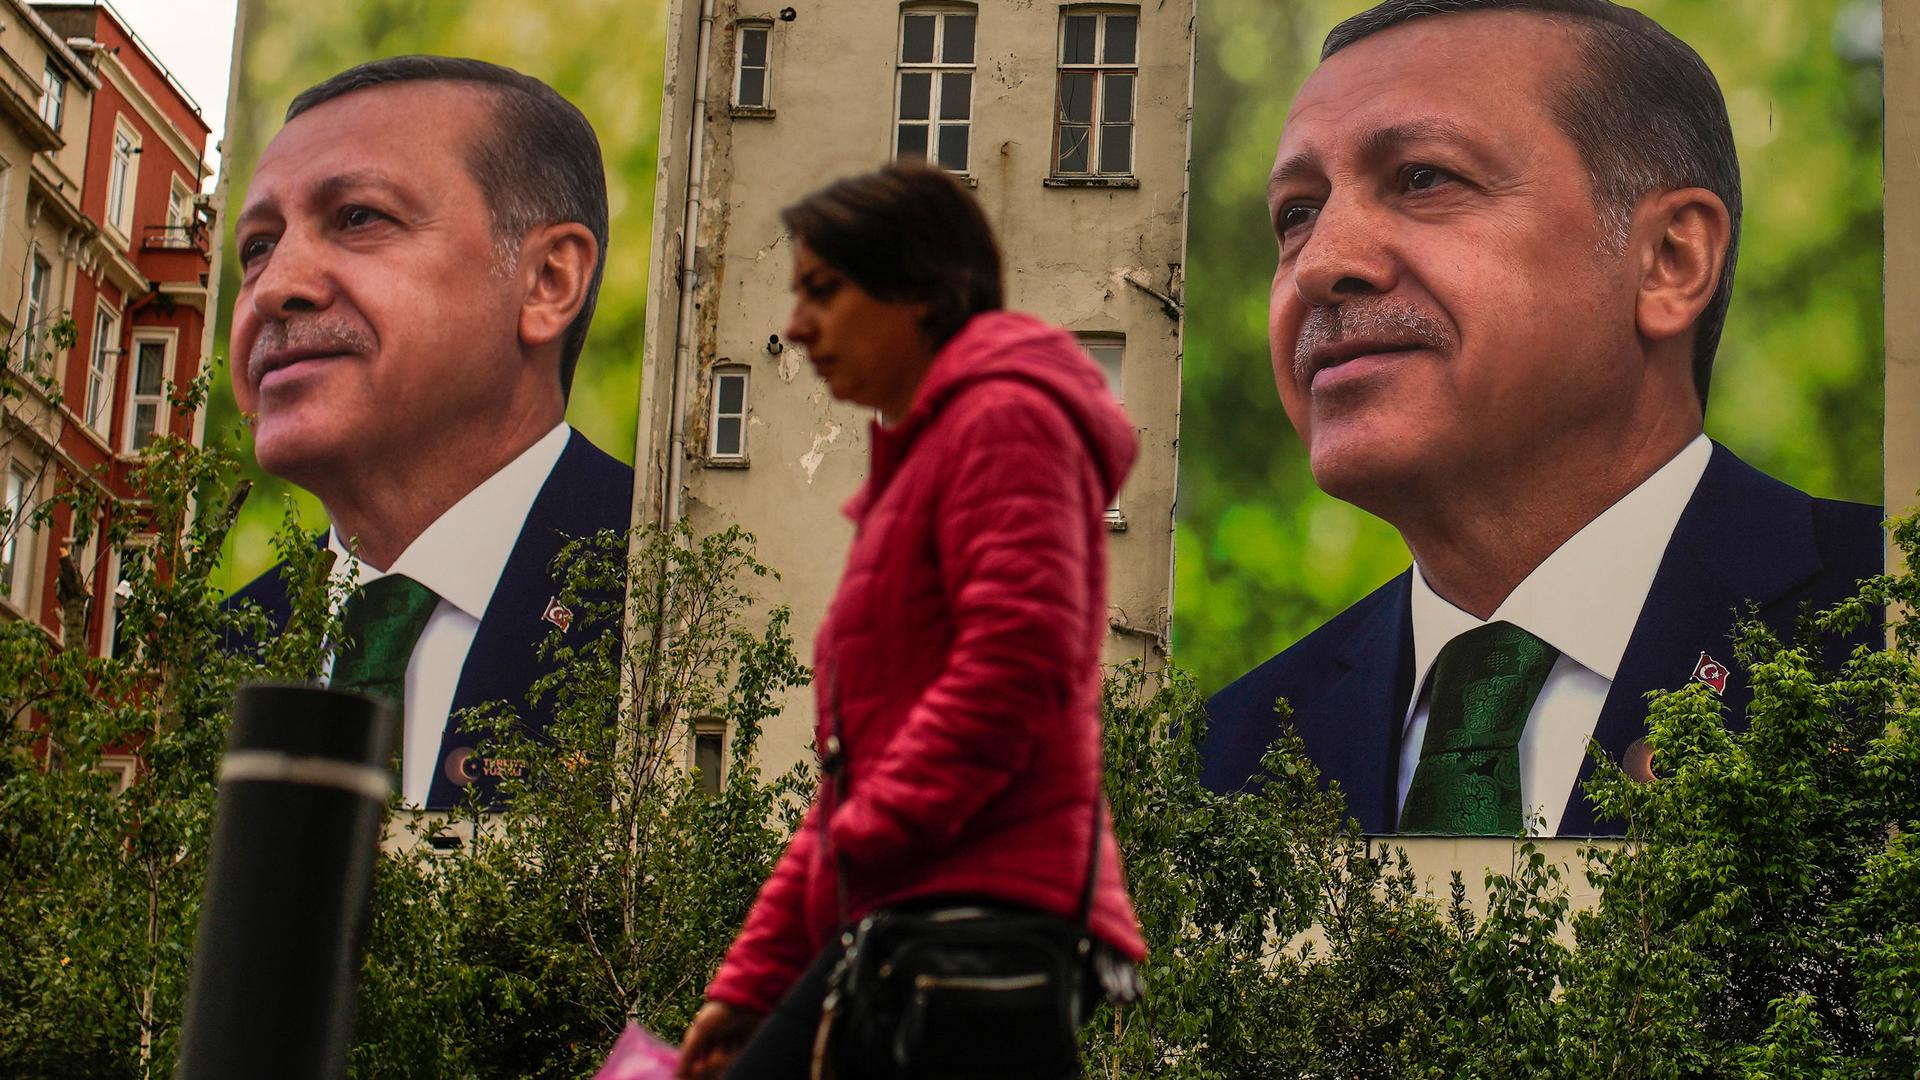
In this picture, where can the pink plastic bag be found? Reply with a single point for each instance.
(639, 1055)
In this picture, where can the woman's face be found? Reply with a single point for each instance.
(870, 352)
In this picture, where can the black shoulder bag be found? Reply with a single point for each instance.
(962, 990)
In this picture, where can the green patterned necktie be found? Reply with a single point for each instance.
(380, 625)
(1468, 780)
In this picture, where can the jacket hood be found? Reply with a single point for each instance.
(1012, 345)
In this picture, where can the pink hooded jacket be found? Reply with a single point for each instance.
(962, 657)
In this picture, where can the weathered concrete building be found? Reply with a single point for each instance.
(1070, 121)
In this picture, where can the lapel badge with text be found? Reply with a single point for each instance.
(1712, 672)
(558, 615)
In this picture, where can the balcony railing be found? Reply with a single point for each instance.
(175, 238)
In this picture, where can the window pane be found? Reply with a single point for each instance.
(1073, 149)
(706, 758)
(143, 421)
(916, 39)
(1076, 97)
(733, 392)
(915, 89)
(913, 142)
(753, 47)
(726, 436)
(753, 86)
(152, 357)
(957, 46)
(1077, 48)
(955, 91)
(1108, 357)
(953, 147)
(1116, 148)
(1121, 30)
(1116, 99)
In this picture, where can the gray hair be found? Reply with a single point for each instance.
(538, 163)
(1645, 113)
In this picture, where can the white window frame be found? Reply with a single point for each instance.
(179, 233)
(39, 274)
(123, 177)
(17, 545)
(53, 96)
(168, 340)
(723, 373)
(1108, 349)
(1101, 70)
(102, 362)
(936, 70)
(742, 28)
(116, 566)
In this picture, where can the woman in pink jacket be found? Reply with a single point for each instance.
(957, 672)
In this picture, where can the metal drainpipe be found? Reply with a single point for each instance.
(683, 328)
(1179, 369)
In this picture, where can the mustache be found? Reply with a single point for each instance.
(318, 333)
(1380, 318)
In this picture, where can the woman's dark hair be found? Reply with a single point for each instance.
(906, 232)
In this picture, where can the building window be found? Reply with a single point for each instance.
(752, 85)
(16, 539)
(99, 400)
(1109, 351)
(728, 440)
(38, 275)
(129, 566)
(933, 89)
(147, 398)
(120, 180)
(709, 752)
(1099, 64)
(53, 96)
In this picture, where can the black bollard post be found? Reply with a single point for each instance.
(302, 789)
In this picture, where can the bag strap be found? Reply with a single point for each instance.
(834, 764)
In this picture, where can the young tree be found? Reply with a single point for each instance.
(100, 889)
(613, 880)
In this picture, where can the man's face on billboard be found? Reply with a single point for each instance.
(1446, 297)
(373, 322)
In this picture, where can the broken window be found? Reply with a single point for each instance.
(1099, 65)
(727, 440)
(933, 90)
(752, 87)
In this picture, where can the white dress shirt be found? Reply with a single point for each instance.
(460, 557)
(1584, 600)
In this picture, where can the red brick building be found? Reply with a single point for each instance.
(134, 271)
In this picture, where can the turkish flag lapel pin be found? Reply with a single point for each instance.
(1712, 672)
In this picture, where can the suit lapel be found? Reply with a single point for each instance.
(1352, 728)
(504, 660)
(1743, 537)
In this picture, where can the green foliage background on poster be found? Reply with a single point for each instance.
(1263, 557)
(606, 56)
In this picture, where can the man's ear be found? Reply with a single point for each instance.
(1682, 238)
(556, 266)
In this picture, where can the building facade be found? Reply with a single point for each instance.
(109, 230)
(1069, 121)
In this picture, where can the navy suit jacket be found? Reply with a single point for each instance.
(1744, 536)
(587, 491)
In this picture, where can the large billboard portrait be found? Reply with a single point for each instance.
(1485, 438)
(438, 239)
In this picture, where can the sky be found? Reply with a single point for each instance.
(194, 40)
